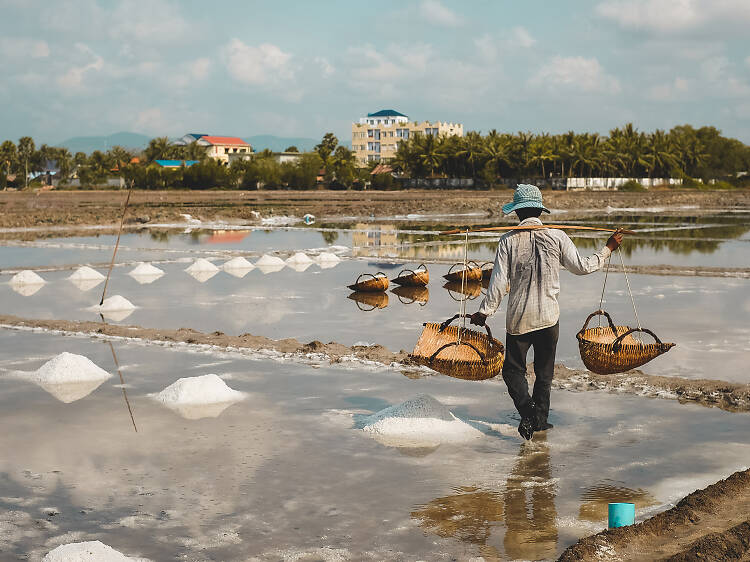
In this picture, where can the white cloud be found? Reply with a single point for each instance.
(582, 74)
(23, 47)
(669, 91)
(436, 13)
(521, 37)
(199, 68)
(72, 79)
(325, 66)
(151, 120)
(674, 15)
(490, 47)
(160, 23)
(265, 64)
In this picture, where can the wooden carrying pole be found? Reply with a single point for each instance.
(537, 227)
(117, 244)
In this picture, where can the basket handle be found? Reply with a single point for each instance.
(450, 344)
(599, 312)
(491, 264)
(445, 324)
(468, 263)
(617, 344)
(364, 309)
(401, 273)
(379, 273)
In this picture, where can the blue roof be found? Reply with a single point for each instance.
(386, 113)
(175, 163)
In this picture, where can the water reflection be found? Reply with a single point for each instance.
(526, 507)
(595, 500)
(471, 290)
(375, 240)
(369, 301)
(410, 295)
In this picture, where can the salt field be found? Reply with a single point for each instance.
(240, 454)
(288, 470)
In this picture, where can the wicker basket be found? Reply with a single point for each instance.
(471, 290)
(606, 350)
(409, 295)
(369, 301)
(413, 277)
(375, 283)
(477, 357)
(472, 272)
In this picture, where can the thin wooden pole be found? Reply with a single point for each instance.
(117, 244)
(538, 227)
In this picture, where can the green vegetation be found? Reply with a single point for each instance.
(493, 160)
(496, 158)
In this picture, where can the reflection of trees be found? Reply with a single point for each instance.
(161, 235)
(330, 236)
(527, 507)
(530, 514)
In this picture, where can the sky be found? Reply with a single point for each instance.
(302, 68)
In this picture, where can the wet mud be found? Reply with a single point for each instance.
(732, 397)
(708, 524)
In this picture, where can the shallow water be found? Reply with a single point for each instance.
(285, 472)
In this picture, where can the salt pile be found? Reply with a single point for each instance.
(270, 264)
(199, 397)
(145, 273)
(115, 308)
(300, 258)
(92, 551)
(237, 263)
(202, 265)
(26, 277)
(68, 377)
(85, 273)
(327, 260)
(419, 422)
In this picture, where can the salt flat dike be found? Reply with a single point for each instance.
(709, 524)
(732, 397)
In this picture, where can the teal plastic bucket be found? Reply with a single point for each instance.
(621, 514)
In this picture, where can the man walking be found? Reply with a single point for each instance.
(527, 268)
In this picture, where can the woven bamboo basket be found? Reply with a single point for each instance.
(471, 289)
(472, 272)
(606, 350)
(487, 268)
(409, 295)
(477, 357)
(374, 283)
(369, 301)
(413, 277)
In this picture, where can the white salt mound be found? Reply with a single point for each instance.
(202, 265)
(26, 277)
(85, 273)
(206, 389)
(328, 257)
(146, 270)
(69, 367)
(115, 303)
(266, 259)
(238, 263)
(300, 258)
(419, 421)
(92, 551)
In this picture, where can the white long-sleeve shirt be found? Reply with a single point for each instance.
(527, 268)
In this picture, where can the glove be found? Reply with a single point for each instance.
(478, 319)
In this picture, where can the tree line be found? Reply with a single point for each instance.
(492, 159)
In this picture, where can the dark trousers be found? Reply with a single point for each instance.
(514, 370)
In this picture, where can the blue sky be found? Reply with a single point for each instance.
(301, 68)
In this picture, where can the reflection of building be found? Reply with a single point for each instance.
(377, 136)
(382, 237)
(227, 236)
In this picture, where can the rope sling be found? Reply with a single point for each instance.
(611, 349)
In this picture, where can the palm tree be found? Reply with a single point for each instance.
(26, 151)
(159, 149)
(8, 159)
(471, 148)
(430, 155)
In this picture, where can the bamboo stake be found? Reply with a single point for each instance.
(117, 244)
(538, 227)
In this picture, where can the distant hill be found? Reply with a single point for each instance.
(90, 144)
(278, 144)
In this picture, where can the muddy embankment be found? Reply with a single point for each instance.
(709, 524)
(728, 396)
(26, 209)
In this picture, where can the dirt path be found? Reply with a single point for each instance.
(709, 524)
(732, 397)
(49, 208)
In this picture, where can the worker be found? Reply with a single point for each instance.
(527, 268)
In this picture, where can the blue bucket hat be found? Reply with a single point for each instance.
(526, 196)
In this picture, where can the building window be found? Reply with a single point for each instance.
(226, 151)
